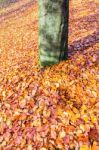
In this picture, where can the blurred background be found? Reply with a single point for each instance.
(5, 3)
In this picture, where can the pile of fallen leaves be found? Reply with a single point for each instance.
(56, 107)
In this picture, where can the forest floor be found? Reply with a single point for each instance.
(56, 107)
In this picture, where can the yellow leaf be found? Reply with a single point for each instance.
(79, 132)
(22, 103)
(82, 127)
(43, 148)
(83, 109)
(84, 147)
(95, 146)
(75, 110)
(1, 139)
(62, 134)
(30, 147)
(37, 122)
(57, 85)
(9, 123)
(93, 119)
(59, 111)
(94, 94)
(46, 113)
(86, 118)
(4, 93)
(3, 143)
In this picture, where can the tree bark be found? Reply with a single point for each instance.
(53, 31)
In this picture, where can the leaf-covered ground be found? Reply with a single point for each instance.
(56, 107)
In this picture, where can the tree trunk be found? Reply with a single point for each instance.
(53, 31)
